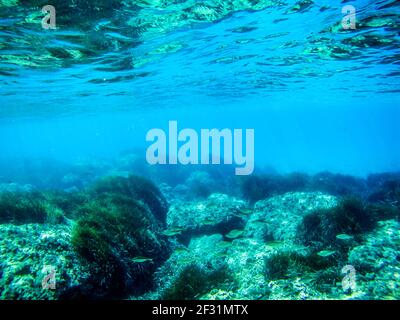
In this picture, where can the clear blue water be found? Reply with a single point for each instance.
(316, 101)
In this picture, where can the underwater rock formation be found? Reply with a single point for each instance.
(15, 187)
(118, 235)
(192, 271)
(118, 239)
(200, 184)
(112, 228)
(377, 263)
(321, 226)
(277, 218)
(385, 188)
(220, 213)
(26, 250)
(22, 207)
(134, 187)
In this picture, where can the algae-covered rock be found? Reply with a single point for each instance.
(29, 252)
(377, 263)
(22, 207)
(246, 263)
(15, 187)
(220, 213)
(192, 271)
(323, 225)
(277, 218)
(110, 238)
(200, 184)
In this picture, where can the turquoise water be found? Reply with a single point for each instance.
(76, 104)
(319, 98)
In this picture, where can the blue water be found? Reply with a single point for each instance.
(261, 69)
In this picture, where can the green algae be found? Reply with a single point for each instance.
(21, 208)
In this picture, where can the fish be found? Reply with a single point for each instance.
(274, 243)
(224, 244)
(207, 221)
(259, 221)
(172, 232)
(344, 236)
(233, 234)
(181, 250)
(221, 255)
(326, 253)
(140, 259)
(245, 211)
(186, 260)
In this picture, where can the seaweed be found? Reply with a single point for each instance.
(287, 264)
(386, 189)
(338, 184)
(110, 233)
(322, 226)
(134, 187)
(22, 207)
(193, 281)
(255, 188)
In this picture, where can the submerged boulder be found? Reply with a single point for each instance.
(118, 235)
(29, 253)
(192, 271)
(278, 218)
(220, 213)
(377, 263)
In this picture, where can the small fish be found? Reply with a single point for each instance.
(325, 253)
(259, 221)
(245, 211)
(274, 243)
(221, 255)
(172, 232)
(207, 221)
(186, 260)
(233, 234)
(224, 244)
(141, 259)
(344, 236)
(181, 250)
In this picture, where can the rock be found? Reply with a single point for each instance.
(246, 261)
(25, 253)
(192, 271)
(200, 184)
(277, 218)
(15, 187)
(377, 263)
(230, 270)
(217, 214)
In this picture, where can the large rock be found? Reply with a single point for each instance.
(27, 255)
(212, 268)
(277, 218)
(377, 263)
(220, 213)
(15, 187)
(192, 271)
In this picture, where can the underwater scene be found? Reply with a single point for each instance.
(199, 150)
